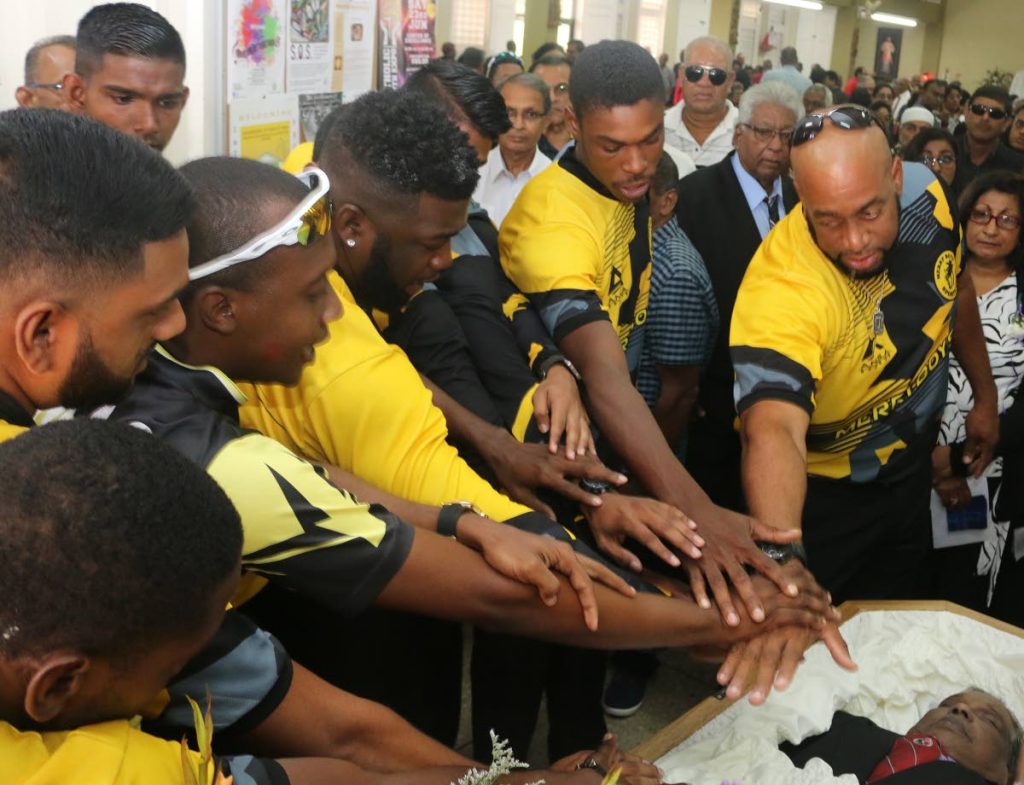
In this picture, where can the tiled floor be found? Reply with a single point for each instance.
(678, 684)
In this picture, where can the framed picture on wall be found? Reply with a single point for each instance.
(887, 52)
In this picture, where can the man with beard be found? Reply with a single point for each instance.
(840, 341)
(332, 554)
(129, 72)
(86, 295)
(359, 385)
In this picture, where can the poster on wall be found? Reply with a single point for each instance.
(887, 52)
(313, 108)
(256, 60)
(264, 129)
(406, 39)
(309, 46)
(352, 68)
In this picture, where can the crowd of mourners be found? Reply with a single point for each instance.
(582, 354)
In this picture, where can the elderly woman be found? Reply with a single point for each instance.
(936, 149)
(978, 575)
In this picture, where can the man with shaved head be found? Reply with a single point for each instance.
(840, 340)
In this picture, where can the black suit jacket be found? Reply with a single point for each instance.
(855, 745)
(713, 212)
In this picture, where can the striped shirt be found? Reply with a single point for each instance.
(682, 317)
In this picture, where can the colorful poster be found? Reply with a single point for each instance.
(264, 129)
(406, 39)
(309, 46)
(353, 47)
(255, 40)
(313, 108)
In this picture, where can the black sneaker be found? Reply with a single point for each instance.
(624, 694)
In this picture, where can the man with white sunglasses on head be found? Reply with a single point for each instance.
(703, 126)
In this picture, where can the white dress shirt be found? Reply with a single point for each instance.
(498, 187)
(755, 195)
(715, 147)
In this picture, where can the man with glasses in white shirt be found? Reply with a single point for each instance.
(703, 127)
(516, 158)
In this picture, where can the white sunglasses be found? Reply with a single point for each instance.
(302, 226)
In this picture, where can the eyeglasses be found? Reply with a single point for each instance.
(846, 116)
(45, 85)
(528, 115)
(304, 225)
(984, 216)
(763, 134)
(992, 111)
(694, 73)
(942, 160)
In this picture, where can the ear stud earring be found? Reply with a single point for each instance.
(350, 243)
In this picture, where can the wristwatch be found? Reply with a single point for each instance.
(591, 763)
(596, 487)
(783, 553)
(449, 516)
(558, 359)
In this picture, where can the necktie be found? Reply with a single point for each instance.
(911, 750)
(773, 210)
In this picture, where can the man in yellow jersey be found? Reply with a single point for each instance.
(577, 243)
(841, 339)
(147, 547)
(93, 257)
(146, 569)
(305, 533)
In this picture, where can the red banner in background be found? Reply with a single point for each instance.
(406, 39)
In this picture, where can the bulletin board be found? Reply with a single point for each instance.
(287, 64)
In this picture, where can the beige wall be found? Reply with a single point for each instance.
(980, 35)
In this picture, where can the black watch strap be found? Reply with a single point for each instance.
(591, 763)
(449, 516)
(783, 553)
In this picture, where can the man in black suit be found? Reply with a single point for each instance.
(970, 738)
(726, 210)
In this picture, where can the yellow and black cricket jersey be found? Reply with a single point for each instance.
(13, 419)
(579, 254)
(362, 406)
(300, 530)
(868, 358)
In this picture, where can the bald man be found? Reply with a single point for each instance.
(840, 339)
(46, 65)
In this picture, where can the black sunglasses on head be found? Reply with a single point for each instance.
(694, 73)
(846, 116)
(992, 111)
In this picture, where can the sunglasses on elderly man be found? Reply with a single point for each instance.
(694, 73)
(303, 226)
(994, 112)
(849, 117)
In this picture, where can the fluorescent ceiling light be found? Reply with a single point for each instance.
(810, 5)
(894, 19)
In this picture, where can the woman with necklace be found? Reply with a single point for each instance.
(981, 576)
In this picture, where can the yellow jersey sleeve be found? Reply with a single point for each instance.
(362, 406)
(310, 535)
(781, 328)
